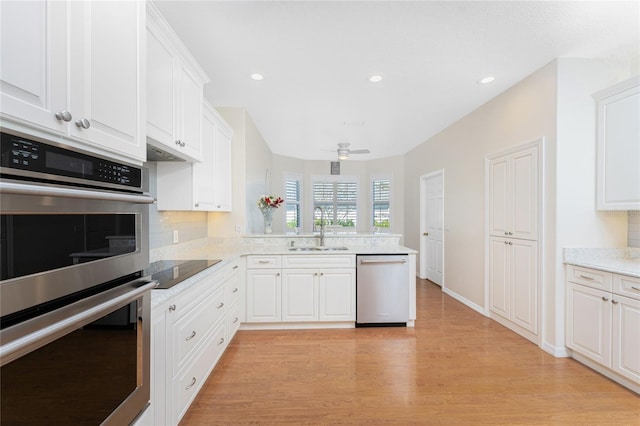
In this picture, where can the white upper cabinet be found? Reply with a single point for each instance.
(174, 92)
(513, 195)
(618, 139)
(66, 72)
(204, 186)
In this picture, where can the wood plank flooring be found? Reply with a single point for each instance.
(455, 367)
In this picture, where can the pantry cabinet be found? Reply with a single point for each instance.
(70, 78)
(513, 184)
(174, 92)
(603, 322)
(618, 142)
(204, 186)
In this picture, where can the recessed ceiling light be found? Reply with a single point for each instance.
(257, 76)
(375, 78)
(486, 80)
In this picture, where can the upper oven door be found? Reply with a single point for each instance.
(55, 241)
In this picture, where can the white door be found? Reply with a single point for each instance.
(524, 283)
(300, 295)
(432, 240)
(264, 290)
(33, 65)
(589, 327)
(625, 354)
(337, 295)
(500, 277)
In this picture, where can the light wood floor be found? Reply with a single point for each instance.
(455, 367)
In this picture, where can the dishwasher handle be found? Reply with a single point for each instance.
(369, 261)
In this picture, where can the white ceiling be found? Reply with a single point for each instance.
(317, 56)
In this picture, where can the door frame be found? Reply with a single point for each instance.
(422, 273)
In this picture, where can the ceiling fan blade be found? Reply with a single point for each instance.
(359, 151)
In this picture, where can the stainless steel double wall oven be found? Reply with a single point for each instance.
(74, 304)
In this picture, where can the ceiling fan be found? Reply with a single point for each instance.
(344, 151)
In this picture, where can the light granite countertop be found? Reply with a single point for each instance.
(625, 261)
(229, 253)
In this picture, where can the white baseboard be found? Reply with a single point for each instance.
(556, 351)
(464, 301)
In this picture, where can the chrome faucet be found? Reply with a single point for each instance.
(321, 224)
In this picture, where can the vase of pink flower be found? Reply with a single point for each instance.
(267, 205)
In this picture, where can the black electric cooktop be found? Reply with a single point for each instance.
(171, 272)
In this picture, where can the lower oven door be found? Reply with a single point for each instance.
(84, 364)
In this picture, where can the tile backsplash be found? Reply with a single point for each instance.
(633, 236)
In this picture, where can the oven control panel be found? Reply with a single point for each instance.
(40, 159)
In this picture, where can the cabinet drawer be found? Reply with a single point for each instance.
(626, 286)
(319, 261)
(196, 325)
(232, 269)
(589, 277)
(257, 262)
(189, 382)
(233, 321)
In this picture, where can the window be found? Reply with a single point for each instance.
(381, 203)
(292, 202)
(338, 199)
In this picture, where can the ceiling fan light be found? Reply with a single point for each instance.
(343, 154)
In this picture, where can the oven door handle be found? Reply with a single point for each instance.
(33, 334)
(52, 191)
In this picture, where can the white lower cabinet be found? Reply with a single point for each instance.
(603, 323)
(189, 334)
(307, 288)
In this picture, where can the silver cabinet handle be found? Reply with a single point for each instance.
(615, 302)
(235, 267)
(510, 233)
(263, 261)
(220, 305)
(235, 320)
(235, 290)
(510, 243)
(193, 382)
(64, 116)
(586, 277)
(193, 334)
(506, 233)
(363, 261)
(83, 123)
(321, 274)
(221, 341)
(635, 288)
(505, 243)
(315, 274)
(278, 274)
(605, 299)
(172, 308)
(218, 206)
(197, 204)
(180, 143)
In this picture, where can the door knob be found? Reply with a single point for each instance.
(425, 233)
(84, 123)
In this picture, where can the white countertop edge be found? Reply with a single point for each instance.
(624, 261)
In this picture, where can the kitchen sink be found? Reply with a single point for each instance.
(318, 248)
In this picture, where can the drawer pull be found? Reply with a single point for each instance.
(235, 320)
(235, 267)
(221, 341)
(193, 334)
(635, 288)
(235, 290)
(615, 302)
(172, 308)
(586, 277)
(220, 305)
(263, 261)
(193, 382)
(605, 299)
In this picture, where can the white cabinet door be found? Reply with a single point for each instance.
(625, 356)
(33, 65)
(589, 323)
(264, 295)
(499, 277)
(204, 181)
(189, 112)
(160, 87)
(618, 141)
(299, 295)
(337, 295)
(160, 363)
(524, 283)
(513, 195)
(106, 75)
(222, 161)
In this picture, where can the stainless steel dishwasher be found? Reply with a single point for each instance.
(382, 290)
